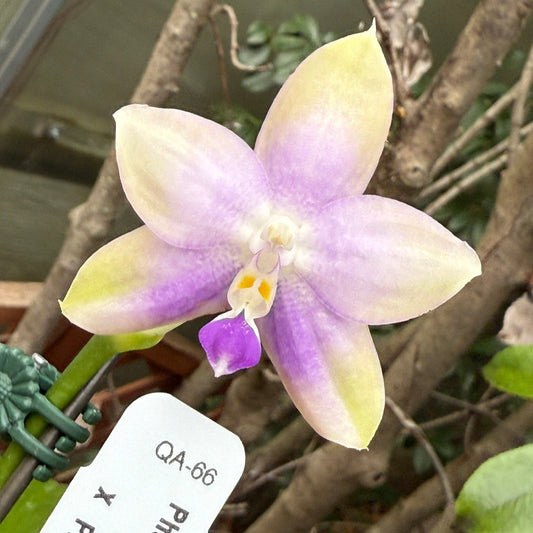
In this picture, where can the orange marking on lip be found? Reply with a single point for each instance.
(265, 290)
(246, 282)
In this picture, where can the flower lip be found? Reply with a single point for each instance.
(254, 288)
(231, 343)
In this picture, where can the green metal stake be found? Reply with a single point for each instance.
(85, 365)
(29, 467)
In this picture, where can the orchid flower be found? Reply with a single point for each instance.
(279, 239)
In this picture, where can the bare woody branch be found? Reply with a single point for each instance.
(408, 423)
(519, 108)
(473, 164)
(200, 385)
(401, 89)
(428, 498)
(253, 400)
(290, 440)
(234, 43)
(454, 149)
(491, 30)
(91, 222)
(466, 183)
(455, 416)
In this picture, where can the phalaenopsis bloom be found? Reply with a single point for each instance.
(279, 239)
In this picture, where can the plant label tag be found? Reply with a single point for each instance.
(164, 468)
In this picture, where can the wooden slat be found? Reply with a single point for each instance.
(18, 294)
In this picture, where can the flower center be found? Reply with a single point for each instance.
(231, 340)
(278, 235)
(279, 231)
(254, 287)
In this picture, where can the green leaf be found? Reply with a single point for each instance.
(285, 64)
(502, 127)
(511, 370)
(458, 221)
(291, 26)
(487, 347)
(240, 121)
(514, 60)
(421, 460)
(495, 89)
(477, 231)
(476, 110)
(329, 36)
(304, 25)
(286, 48)
(498, 496)
(254, 56)
(258, 81)
(32, 509)
(258, 32)
(283, 43)
(289, 59)
(280, 75)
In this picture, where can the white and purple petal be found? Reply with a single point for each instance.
(139, 282)
(380, 261)
(325, 131)
(328, 364)
(193, 182)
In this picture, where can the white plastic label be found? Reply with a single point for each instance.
(165, 468)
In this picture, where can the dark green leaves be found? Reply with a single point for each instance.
(279, 51)
(240, 121)
(258, 33)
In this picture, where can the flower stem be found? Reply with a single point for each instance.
(97, 351)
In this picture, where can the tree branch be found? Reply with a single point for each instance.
(234, 43)
(465, 183)
(489, 116)
(284, 445)
(254, 399)
(91, 222)
(491, 30)
(401, 89)
(198, 386)
(418, 433)
(455, 416)
(469, 166)
(428, 498)
(519, 108)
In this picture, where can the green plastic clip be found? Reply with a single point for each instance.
(23, 380)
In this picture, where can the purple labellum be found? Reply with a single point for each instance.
(231, 344)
